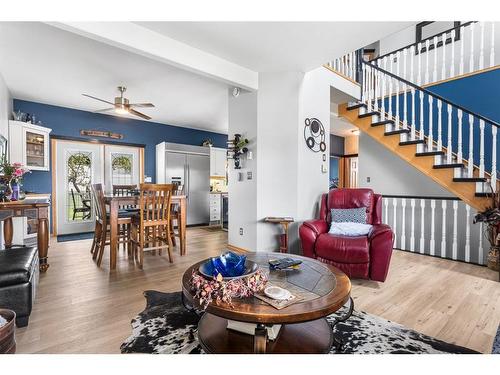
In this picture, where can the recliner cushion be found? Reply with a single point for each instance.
(16, 265)
(343, 249)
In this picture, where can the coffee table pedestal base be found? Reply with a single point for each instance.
(314, 337)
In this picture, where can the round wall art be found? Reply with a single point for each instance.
(314, 134)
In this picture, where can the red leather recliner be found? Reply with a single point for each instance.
(365, 257)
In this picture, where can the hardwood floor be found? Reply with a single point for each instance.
(84, 309)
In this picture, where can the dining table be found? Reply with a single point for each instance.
(116, 201)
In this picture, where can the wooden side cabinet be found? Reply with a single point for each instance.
(34, 141)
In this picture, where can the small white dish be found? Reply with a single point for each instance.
(275, 292)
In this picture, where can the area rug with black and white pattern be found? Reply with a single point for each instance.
(166, 327)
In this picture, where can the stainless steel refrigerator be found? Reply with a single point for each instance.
(190, 167)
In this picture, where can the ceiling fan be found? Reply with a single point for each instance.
(122, 105)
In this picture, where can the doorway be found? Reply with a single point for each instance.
(76, 165)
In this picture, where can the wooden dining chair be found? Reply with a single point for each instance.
(124, 190)
(151, 227)
(102, 232)
(175, 213)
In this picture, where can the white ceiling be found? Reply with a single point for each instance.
(45, 64)
(42, 63)
(277, 46)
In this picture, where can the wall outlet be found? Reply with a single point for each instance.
(241, 231)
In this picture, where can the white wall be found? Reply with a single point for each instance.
(5, 108)
(389, 174)
(243, 194)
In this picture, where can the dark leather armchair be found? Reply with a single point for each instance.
(365, 257)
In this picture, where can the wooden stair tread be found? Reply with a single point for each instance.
(469, 179)
(411, 142)
(368, 114)
(429, 153)
(452, 165)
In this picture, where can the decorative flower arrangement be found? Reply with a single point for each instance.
(491, 218)
(12, 174)
(219, 290)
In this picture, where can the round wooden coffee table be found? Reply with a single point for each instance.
(323, 289)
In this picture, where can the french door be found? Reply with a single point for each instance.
(78, 166)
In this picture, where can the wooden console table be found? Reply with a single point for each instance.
(33, 208)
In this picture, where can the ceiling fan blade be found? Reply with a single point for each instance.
(134, 112)
(105, 110)
(101, 100)
(142, 105)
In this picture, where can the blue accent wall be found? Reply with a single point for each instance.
(69, 122)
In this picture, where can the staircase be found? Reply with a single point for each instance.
(450, 144)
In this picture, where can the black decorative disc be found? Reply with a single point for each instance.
(314, 134)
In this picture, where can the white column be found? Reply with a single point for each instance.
(481, 148)
(433, 228)
(405, 105)
(459, 147)
(403, 224)
(405, 53)
(427, 44)
(397, 90)
(430, 137)
(394, 221)
(452, 66)
(454, 251)
(467, 233)
(434, 70)
(412, 113)
(390, 87)
(419, 72)
(492, 46)
(421, 129)
(471, 57)
(412, 233)
(462, 37)
(481, 46)
(443, 65)
(443, 229)
(422, 226)
(440, 125)
(470, 167)
(412, 59)
(449, 145)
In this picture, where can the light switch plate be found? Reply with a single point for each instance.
(249, 175)
(324, 169)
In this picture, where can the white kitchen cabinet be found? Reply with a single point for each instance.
(217, 162)
(215, 209)
(29, 145)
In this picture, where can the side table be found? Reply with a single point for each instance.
(284, 222)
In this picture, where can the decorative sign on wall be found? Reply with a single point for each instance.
(101, 133)
(314, 134)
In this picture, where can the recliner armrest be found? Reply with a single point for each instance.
(309, 232)
(378, 229)
(381, 240)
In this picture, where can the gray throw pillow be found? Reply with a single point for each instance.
(349, 215)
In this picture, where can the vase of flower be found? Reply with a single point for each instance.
(493, 260)
(490, 217)
(12, 177)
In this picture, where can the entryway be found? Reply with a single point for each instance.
(76, 165)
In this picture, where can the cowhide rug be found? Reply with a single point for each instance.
(165, 326)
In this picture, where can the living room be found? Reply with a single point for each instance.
(184, 185)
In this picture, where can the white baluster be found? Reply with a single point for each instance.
(443, 65)
(427, 44)
(382, 94)
(481, 250)
(471, 57)
(412, 234)
(449, 145)
(494, 159)
(434, 70)
(433, 228)
(397, 91)
(412, 113)
(440, 126)
(412, 59)
(419, 73)
(405, 52)
(481, 148)
(403, 224)
(454, 250)
(405, 106)
(375, 88)
(459, 147)
(390, 88)
(430, 137)
(481, 46)
(386, 206)
(462, 37)
(452, 67)
(443, 229)
(369, 89)
(422, 226)
(363, 90)
(470, 168)
(394, 221)
(421, 129)
(492, 47)
(467, 233)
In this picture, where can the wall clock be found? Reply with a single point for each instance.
(314, 134)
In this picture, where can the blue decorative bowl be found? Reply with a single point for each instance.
(229, 265)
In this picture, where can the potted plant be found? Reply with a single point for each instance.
(491, 218)
(12, 177)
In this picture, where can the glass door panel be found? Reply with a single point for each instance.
(35, 149)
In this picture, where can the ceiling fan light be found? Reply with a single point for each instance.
(121, 110)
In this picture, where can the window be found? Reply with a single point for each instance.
(121, 169)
